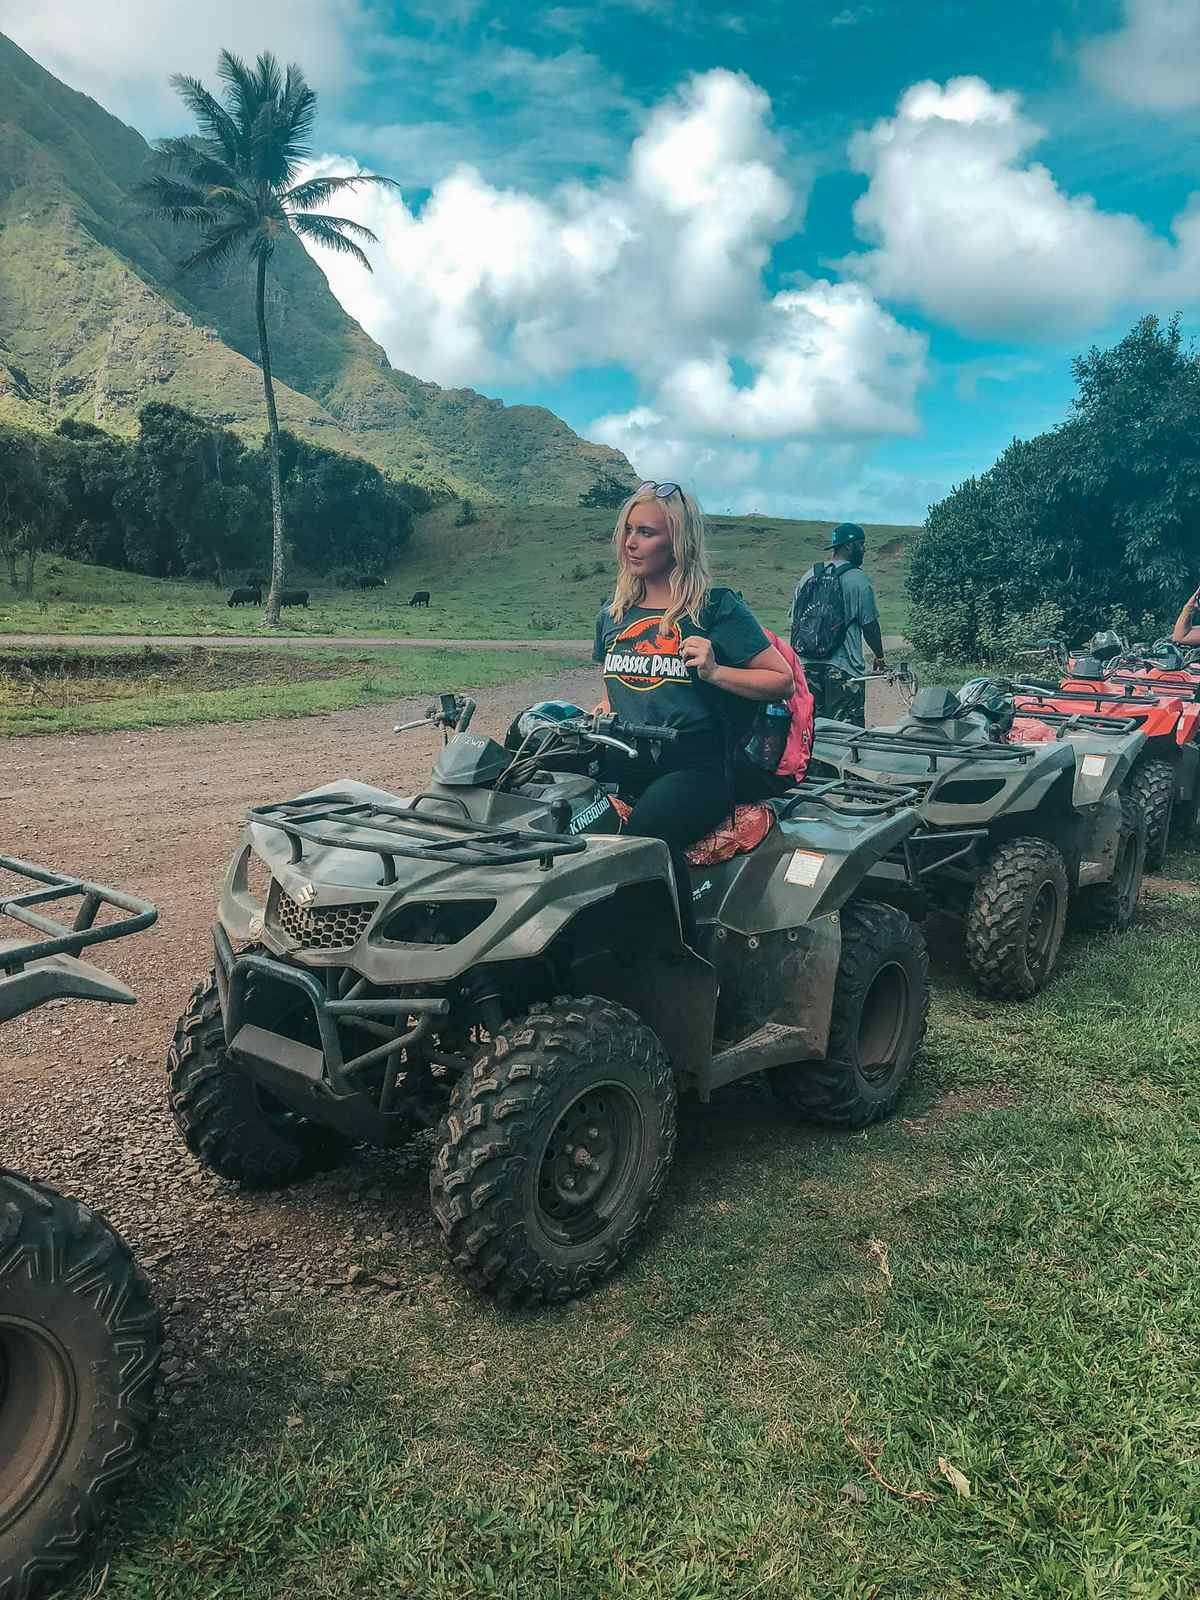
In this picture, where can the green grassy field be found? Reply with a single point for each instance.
(94, 691)
(514, 574)
(777, 1396)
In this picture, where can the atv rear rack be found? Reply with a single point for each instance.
(854, 797)
(63, 939)
(912, 745)
(393, 832)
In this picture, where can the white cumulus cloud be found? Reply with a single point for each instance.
(1153, 60)
(659, 270)
(124, 55)
(967, 228)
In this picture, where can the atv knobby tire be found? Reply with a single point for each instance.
(79, 1348)
(1152, 786)
(1016, 918)
(554, 1151)
(1109, 907)
(227, 1121)
(880, 1006)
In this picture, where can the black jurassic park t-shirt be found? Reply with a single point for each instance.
(647, 680)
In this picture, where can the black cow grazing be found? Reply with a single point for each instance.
(248, 595)
(421, 598)
(369, 580)
(293, 597)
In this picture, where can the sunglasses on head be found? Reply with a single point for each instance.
(662, 491)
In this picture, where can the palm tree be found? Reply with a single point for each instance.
(236, 182)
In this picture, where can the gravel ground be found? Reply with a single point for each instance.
(82, 1101)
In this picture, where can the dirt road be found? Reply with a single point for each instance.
(82, 1100)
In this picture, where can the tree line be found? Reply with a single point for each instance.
(189, 498)
(1095, 524)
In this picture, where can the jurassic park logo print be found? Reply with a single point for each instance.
(646, 655)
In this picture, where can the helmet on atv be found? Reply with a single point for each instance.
(541, 713)
(1103, 646)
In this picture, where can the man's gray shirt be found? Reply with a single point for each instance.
(858, 596)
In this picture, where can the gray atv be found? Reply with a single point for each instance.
(494, 958)
(1011, 834)
(79, 1336)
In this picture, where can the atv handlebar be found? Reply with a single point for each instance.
(448, 711)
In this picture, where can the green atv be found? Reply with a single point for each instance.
(493, 958)
(1010, 833)
(79, 1336)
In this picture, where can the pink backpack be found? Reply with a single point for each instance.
(797, 752)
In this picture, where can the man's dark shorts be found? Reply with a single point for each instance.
(835, 694)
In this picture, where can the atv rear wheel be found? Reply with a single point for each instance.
(554, 1151)
(1109, 907)
(79, 1348)
(1152, 786)
(227, 1121)
(880, 1004)
(1016, 918)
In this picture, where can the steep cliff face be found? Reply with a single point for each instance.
(95, 320)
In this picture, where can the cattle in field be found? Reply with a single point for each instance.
(293, 597)
(421, 598)
(248, 595)
(370, 580)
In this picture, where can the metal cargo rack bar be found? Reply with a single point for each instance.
(919, 851)
(855, 797)
(61, 938)
(1069, 722)
(392, 832)
(905, 744)
(1144, 696)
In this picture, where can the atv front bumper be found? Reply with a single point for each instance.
(287, 1064)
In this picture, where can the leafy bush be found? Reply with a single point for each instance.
(1096, 520)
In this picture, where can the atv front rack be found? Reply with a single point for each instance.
(1069, 722)
(340, 822)
(905, 744)
(61, 938)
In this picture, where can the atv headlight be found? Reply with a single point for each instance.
(436, 921)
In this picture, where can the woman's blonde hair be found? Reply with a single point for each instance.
(690, 580)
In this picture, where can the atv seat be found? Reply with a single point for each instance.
(742, 831)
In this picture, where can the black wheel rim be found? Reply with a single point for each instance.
(882, 1021)
(1039, 931)
(589, 1164)
(38, 1403)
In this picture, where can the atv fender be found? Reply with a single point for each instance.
(1102, 765)
(1100, 841)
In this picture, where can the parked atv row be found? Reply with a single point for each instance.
(79, 1335)
(1012, 834)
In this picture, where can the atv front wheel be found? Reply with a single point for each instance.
(1109, 907)
(554, 1151)
(1016, 918)
(79, 1348)
(227, 1121)
(1152, 786)
(880, 1004)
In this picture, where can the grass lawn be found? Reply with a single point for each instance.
(821, 1338)
(514, 574)
(94, 691)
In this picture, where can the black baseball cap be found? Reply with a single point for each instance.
(846, 533)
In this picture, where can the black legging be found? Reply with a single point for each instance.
(679, 808)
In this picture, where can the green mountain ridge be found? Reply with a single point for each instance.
(95, 320)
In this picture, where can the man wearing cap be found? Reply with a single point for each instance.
(829, 677)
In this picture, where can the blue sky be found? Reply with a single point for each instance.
(817, 259)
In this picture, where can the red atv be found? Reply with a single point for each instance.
(1155, 694)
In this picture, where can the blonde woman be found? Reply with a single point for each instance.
(677, 653)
